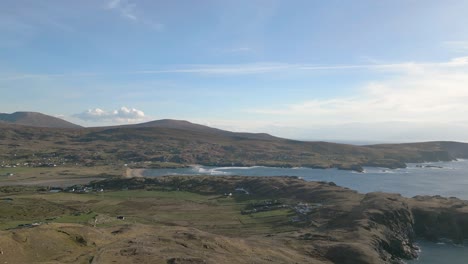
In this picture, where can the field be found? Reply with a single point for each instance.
(193, 219)
(216, 213)
(75, 220)
(56, 176)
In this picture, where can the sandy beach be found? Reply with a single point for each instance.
(134, 173)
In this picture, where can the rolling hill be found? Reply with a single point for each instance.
(181, 143)
(188, 126)
(35, 119)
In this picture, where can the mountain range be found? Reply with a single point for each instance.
(27, 137)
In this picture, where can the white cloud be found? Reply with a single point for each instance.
(122, 115)
(262, 68)
(129, 114)
(427, 92)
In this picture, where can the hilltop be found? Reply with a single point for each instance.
(35, 119)
(140, 146)
(175, 143)
(188, 126)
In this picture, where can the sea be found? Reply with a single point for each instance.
(449, 179)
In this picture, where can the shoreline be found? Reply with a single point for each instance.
(371, 181)
(391, 215)
(133, 173)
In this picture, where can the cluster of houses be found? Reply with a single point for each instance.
(38, 160)
(28, 164)
(304, 208)
(265, 206)
(238, 190)
(33, 160)
(301, 209)
(29, 225)
(83, 189)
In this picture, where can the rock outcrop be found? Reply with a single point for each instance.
(440, 218)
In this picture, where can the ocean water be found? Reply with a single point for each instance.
(446, 253)
(437, 178)
(448, 179)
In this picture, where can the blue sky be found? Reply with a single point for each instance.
(354, 70)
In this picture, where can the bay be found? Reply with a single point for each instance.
(436, 178)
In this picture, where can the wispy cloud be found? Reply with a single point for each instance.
(425, 92)
(122, 115)
(227, 69)
(124, 7)
(261, 68)
(113, 4)
(128, 10)
(404, 66)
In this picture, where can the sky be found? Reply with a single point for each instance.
(362, 70)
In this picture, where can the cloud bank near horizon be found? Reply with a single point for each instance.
(426, 92)
(119, 116)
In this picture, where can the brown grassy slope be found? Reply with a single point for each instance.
(182, 219)
(35, 119)
(348, 227)
(72, 243)
(188, 126)
(160, 227)
(189, 144)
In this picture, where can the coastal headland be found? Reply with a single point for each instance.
(78, 195)
(232, 219)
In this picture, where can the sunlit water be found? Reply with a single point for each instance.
(446, 253)
(437, 178)
(450, 180)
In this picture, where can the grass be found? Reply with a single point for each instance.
(136, 194)
(4, 171)
(215, 214)
(13, 224)
(80, 218)
(55, 177)
(62, 171)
